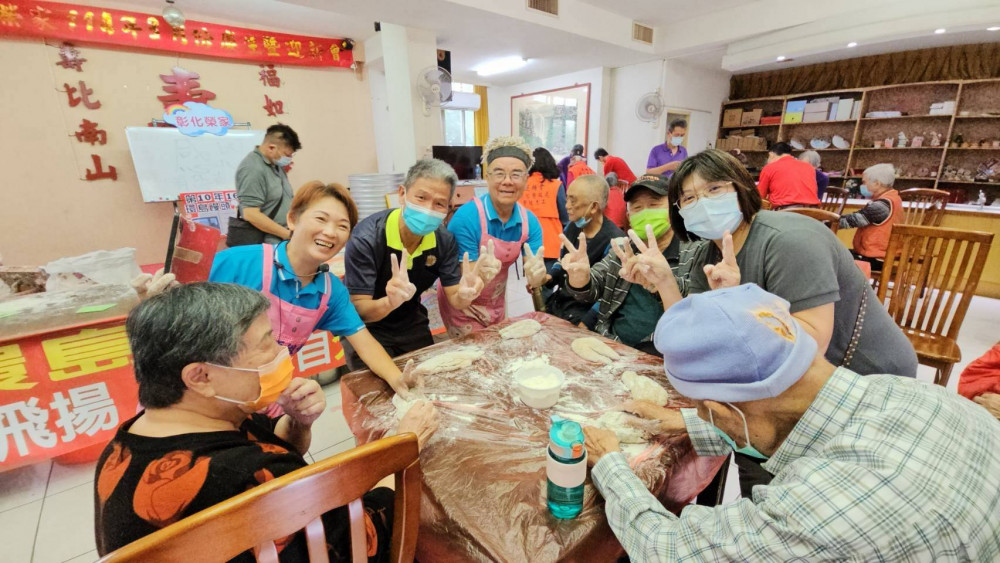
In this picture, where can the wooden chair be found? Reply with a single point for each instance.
(828, 218)
(834, 200)
(922, 206)
(930, 286)
(292, 502)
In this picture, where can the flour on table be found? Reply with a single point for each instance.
(536, 362)
(645, 389)
(402, 405)
(521, 329)
(450, 361)
(616, 422)
(593, 350)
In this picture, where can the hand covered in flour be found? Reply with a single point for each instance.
(489, 264)
(408, 379)
(399, 290)
(727, 272)
(599, 442)
(303, 400)
(149, 285)
(668, 420)
(422, 419)
(534, 267)
(471, 284)
(575, 261)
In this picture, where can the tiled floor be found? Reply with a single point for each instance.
(46, 510)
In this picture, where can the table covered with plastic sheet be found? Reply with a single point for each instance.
(484, 470)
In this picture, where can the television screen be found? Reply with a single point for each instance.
(462, 159)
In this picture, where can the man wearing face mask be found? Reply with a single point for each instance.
(665, 158)
(876, 468)
(206, 361)
(628, 311)
(587, 196)
(394, 256)
(262, 185)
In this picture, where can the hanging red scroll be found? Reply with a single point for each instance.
(136, 30)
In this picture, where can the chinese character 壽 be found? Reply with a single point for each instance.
(70, 57)
(183, 86)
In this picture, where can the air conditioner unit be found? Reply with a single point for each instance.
(463, 100)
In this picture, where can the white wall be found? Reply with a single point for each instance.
(691, 89)
(498, 99)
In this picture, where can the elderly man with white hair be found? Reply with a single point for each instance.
(874, 221)
(874, 468)
(822, 180)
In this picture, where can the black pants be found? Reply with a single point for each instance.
(355, 363)
(751, 473)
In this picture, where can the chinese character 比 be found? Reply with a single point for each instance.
(89, 133)
(183, 86)
(269, 76)
(84, 96)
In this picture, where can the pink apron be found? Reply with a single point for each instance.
(292, 325)
(491, 305)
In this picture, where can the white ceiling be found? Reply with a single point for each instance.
(666, 12)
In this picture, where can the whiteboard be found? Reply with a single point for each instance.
(169, 163)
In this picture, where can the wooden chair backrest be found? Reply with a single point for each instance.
(834, 200)
(828, 218)
(933, 277)
(922, 206)
(293, 502)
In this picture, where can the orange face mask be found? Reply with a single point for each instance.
(274, 379)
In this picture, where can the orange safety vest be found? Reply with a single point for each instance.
(540, 197)
(873, 240)
(577, 170)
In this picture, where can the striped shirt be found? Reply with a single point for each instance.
(879, 468)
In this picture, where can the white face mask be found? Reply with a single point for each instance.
(710, 218)
(283, 161)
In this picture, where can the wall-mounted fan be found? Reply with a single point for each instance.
(649, 107)
(434, 87)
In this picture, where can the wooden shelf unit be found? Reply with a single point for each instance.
(973, 96)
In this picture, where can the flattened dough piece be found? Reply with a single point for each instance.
(451, 361)
(626, 433)
(402, 406)
(645, 389)
(593, 350)
(521, 329)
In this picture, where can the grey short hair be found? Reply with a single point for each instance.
(198, 322)
(432, 169)
(596, 187)
(812, 157)
(883, 173)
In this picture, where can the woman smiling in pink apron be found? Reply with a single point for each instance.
(293, 275)
(494, 229)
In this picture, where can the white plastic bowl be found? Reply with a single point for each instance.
(539, 386)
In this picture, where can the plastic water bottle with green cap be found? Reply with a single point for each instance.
(566, 468)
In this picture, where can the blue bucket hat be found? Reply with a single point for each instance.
(733, 345)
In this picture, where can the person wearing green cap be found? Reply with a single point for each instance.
(628, 311)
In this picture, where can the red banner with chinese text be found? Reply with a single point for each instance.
(129, 29)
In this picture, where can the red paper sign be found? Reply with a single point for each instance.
(130, 29)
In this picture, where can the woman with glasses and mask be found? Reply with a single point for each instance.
(713, 197)
(494, 230)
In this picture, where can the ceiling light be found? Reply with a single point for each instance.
(497, 66)
(173, 15)
(994, 28)
(852, 44)
(940, 30)
(781, 58)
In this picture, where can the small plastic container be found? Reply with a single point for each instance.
(539, 386)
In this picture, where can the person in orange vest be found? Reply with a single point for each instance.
(874, 221)
(577, 167)
(545, 196)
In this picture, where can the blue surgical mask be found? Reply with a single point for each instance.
(865, 191)
(581, 222)
(710, 218)
(283, 161)
(676, 141)
(745, 450)
(421, 221)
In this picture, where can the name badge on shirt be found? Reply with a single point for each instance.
(431, 259)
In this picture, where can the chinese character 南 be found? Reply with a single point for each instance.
(22, 421)
(183, 86)
(273, 107)
(269, 76)
(83, 97)
(90, 351)
(69, 57)
(99, 172)
(89, 133)
(88, 410)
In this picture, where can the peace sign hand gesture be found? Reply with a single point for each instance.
(649, 265)
(534, 266)
(575, 261)
(727, 272)
(471, 284)
(399, 289)
(489, 265)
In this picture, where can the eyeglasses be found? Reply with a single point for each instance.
(500, 175)
(710, 192)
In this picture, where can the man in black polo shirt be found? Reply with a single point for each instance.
(395, 255)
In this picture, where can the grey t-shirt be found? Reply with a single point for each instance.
(264, 185)
(798, 259)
